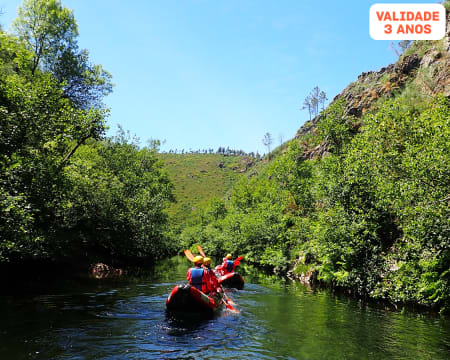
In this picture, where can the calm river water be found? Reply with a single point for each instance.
(126, 319)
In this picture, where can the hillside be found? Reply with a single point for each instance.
(359, 199)
(197, 178)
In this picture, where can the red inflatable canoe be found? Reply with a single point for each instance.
(232, 280)
(186, 298)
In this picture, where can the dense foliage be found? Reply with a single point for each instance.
(371, 216)
(115, 206)
(66, 192)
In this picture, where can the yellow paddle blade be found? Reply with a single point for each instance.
(200, 250)
(189, 255)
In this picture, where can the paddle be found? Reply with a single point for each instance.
(231, 302)
(189, 255)
(200, 250)
(227, 301)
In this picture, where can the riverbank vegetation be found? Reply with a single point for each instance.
(371, 216)
(66, 191)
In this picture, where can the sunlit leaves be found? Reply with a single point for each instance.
(371, 216)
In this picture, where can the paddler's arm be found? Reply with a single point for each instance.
(188, 275)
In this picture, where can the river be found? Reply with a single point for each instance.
(125, 318)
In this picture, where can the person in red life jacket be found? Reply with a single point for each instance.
(212, 282)
(227, 266)
(196, 275)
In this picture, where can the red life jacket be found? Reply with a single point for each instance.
(211, 280)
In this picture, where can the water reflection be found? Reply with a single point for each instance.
(186, 324)
(126, 318)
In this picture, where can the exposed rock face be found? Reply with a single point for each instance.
(429, 71)
(319, 151)
(101, 271)
(307, 128)
(307, 278)
(252, 174)
(246, 163)
(430, 57)
(408, 64)
(371, 85)
(441, 64)
(444, 78)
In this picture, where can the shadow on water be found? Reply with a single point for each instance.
(183, 323)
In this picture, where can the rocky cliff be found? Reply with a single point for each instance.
(425, 65)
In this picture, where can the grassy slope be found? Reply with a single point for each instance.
(198, 178)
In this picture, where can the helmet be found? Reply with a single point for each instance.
(198, 259)
(229, 256)
(207, 261)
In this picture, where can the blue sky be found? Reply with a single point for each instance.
(203, 74)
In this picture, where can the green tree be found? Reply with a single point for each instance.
(66, 192)
(115, 208)
(47, 28)
(40, 131)
(85, 84)
(50, 32)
